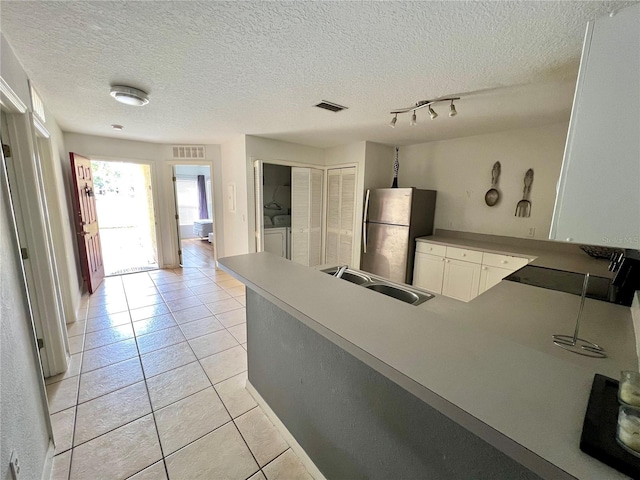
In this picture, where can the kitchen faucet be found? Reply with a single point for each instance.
(340, 271)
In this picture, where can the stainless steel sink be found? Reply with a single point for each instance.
(395, 292)
(404, 293)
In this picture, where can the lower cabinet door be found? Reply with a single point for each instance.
(491, 276)
(428, 271)
(461, 279)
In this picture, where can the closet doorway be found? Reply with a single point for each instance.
(194, 215)
(276, 209)
(288, 211)
(126, 216)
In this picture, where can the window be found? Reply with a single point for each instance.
(187, 188)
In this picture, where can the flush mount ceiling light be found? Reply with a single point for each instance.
(129, 95)
(424, 104)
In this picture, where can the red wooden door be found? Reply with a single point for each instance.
(87, 222)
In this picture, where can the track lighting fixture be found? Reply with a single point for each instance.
(424, 104)
(452, 110)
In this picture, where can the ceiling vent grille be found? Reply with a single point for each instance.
(188, 152)
(332, 107)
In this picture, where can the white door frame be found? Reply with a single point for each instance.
(253, 200)
(34, 234)
(175, 238)
(154, 194)
(7, 201)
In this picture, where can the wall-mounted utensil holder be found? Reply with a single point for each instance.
(575, 344)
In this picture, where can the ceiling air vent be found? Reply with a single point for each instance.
(188, 152)
(332, 107)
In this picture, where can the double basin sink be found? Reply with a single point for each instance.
(404, 293)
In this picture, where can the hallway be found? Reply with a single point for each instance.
(197, 253)
(155, 388)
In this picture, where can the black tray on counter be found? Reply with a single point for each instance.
(599, 428)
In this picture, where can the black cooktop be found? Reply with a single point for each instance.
(569, 282)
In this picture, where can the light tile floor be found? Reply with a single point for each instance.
(156, 385)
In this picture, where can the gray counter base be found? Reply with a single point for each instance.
(352, 421)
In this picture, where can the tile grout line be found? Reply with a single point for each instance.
(139, 356)
(155, 423)
(75, 417)
(223, 404)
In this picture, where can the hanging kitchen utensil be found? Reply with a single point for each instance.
(396, 168)
(493, 195)
(523, 208)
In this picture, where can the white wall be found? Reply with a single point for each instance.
(460, 170)
(23, 415)
(158, 155)
(237, 231)
(378, 171)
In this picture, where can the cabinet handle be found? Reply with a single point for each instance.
(503, 261)
(464, 254)
(448, 261)
(569, 239)
(484, 268)
(442, 259)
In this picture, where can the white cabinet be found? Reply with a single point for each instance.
(460, 273)
(598, 198)
(461, 279)
(491, 276)
(341, 202)
(276, 241)
(428, 271)
(306, 215)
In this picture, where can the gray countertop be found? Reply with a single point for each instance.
(488, 364)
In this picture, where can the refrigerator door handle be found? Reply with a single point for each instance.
(364, 221)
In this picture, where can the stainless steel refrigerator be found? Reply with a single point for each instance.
(393, 219)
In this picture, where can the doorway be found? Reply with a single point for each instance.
(127, 225)
(276, 209)
(194, 207)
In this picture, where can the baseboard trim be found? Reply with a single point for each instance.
(290, 439)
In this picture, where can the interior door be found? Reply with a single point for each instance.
(87, 221)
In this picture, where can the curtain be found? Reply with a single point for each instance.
(202, 198)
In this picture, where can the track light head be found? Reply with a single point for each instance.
(452, 110)
(428, 104)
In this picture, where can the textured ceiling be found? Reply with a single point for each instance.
(214, 69)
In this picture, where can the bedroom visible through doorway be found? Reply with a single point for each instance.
(126, 217)
(194, 207)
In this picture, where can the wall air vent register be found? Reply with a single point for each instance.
(188, 152)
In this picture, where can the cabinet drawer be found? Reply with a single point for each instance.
(472, 256)
(504, 261)
(431, 248)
